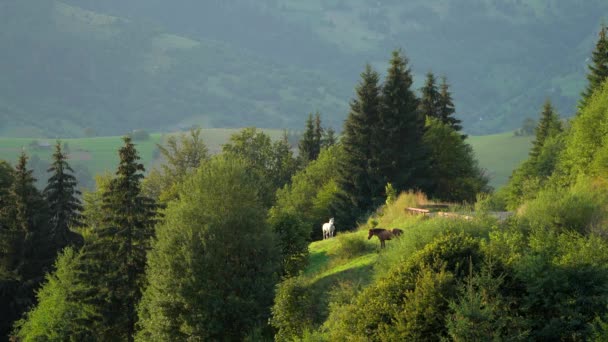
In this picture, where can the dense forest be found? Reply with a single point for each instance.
(114, 66)
(221, 246)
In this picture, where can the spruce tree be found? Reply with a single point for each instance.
(113, 260)
(359, 179)
(329, 137)
(25, 254)
(402, 156)
(446, 108)
(62, 197)
(430, 100)
(306, 146)
(548, 125)
(598, 70)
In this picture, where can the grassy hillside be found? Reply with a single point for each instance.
(118, 65)
(68, 68)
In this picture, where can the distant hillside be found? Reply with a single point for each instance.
(117, 65)
(68, 69)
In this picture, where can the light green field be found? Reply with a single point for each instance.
(100, 154)
(499, 154)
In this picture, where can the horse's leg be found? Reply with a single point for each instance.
(381, 243)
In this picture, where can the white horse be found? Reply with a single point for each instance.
(328, 229)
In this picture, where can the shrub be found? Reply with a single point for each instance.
(351, 245)
(292, 311)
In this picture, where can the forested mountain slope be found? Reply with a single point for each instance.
(153, 63)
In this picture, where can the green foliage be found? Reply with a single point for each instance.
(53, 319)
(454, 172)
(25, 251)
(482, 313)
(391, 194)
(422, 316)
(400, 125)
(447, 109)
(527, 128)
(530, 177)
(211, 269)
(429, 99)
(404, 301)
(181, 157)
(359, 180)
(548, 126)
(272, 163)
(115, 255)
(62, 196)
(580, 209)
(293, 238)
(311, 193)
(587, 139)
(598, 69)
(351, 246)
(291, 313)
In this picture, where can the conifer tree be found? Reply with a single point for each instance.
(62, 197)
(598, 70)
(25, 254)
(548, 125)
(359, 179)
(402, 156)
(112, 263)
(318, 136)
(329, 137)
(446, 108)
(430, 100)
(306, 146)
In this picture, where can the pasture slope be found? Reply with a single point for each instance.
(499, 154)
(349, 262)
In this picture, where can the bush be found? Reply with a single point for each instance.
(351, 245)
(292, 311)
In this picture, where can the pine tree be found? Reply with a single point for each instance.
(548, 125)
(402, 156)
(430, 100)
(113, 261)
(62, 198)
(447, 109)
(359, 180)
(598, 70)
(25, 254)
(306, 146)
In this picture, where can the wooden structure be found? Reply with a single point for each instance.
(418, 211)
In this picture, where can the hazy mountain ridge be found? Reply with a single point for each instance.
(159, 63)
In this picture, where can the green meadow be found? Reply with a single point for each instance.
(499, 154)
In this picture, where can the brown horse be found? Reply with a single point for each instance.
(384, 234)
